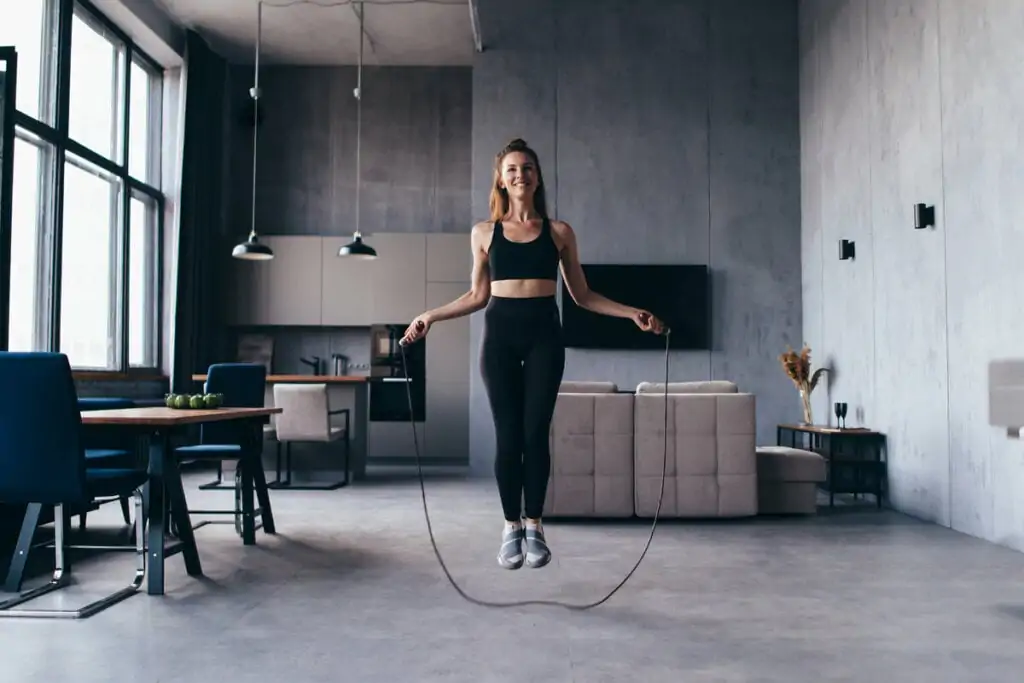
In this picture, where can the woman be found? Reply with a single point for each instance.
(516, 257)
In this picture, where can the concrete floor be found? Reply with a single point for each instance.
(350, 591)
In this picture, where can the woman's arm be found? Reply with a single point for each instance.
(585, 297)
(480, 283)
(576, 281)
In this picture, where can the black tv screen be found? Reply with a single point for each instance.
(677, 294)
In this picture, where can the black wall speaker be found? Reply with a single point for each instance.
(847, 250)
(924, 216)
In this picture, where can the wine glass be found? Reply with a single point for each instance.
(837, 408)
(840, 410)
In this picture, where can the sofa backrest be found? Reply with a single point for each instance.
(710, 387)
(572, 387)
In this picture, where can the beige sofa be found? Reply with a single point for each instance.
(607, 451)
(712, 466)
(591, 440)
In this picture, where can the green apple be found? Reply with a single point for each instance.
(212, 401)
(197, 401)
(170, 400)
(181, 401)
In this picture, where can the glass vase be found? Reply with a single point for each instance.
(805, 402)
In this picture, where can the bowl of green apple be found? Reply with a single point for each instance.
(194, 401)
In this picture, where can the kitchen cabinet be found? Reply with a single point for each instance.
(395, 441)
(282, 291)
(307, 284)
(449, 258)
(447, 391)
(293, 290)
(397, 289)
(346, 286)
(448, 348)
(447, 426)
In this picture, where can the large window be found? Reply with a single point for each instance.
(31, 157)
(87, 205)
(29, 26)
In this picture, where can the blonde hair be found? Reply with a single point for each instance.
(499, 196)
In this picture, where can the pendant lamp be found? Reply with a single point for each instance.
(252, 249)
(357, 248)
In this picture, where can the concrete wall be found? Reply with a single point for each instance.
(668, 133)
(902, 102)
(415, 150)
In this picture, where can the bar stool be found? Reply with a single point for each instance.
(306, 418)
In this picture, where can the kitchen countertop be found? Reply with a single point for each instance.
(306, 379)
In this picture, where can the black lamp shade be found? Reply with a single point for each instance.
(358, 249)
(252, 250)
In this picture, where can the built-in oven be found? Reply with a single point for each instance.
(392, 381)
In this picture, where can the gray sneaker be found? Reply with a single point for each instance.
(511, 554)
(537, 552)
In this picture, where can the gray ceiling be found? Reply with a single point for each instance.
(326, 32)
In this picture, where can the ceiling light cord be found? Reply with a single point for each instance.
(359, 122)
(255, 94)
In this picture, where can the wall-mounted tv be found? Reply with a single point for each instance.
(677, 294)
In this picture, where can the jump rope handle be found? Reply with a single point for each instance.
(646, 318)
(419, 328)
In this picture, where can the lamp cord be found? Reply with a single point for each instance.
(359, 120)
(255, 94)
(522, 603)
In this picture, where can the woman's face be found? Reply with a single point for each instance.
(519, 175)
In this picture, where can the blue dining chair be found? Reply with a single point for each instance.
(43, 461)
(109, 447)
(243, 385)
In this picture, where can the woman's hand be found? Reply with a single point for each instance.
(647, 322)
(417, 329)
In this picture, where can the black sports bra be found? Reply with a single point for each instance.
(534, 260)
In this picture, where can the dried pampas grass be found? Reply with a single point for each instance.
(797, 367)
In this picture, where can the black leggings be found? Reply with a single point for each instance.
(522, 358)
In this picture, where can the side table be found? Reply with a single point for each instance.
(855, 457)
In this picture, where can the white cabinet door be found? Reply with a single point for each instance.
(448, 341)
(347, 283)
(447, 424)
(449, 257)
(293, 289)
(399, 276)
(394, 440)
(448, 363)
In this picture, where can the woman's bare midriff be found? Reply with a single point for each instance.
(523, 289)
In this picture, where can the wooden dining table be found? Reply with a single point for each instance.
(158, 426)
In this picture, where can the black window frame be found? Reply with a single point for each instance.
(55, 93)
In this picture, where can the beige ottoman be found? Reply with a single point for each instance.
(787, 480)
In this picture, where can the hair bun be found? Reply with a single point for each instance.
(517, 143)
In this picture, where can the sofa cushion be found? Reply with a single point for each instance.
(591, 441)
(781, 463)
(710, 387)
(711, 468)
(574, 387)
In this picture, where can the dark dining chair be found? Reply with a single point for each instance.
(44, 462)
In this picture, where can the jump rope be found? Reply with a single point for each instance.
(524, 603)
